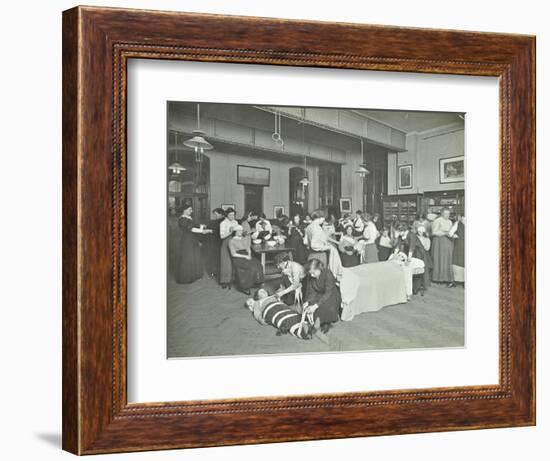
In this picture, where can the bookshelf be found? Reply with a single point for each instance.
(434, 202)
(405, 207)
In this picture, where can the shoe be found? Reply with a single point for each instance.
(451, 285)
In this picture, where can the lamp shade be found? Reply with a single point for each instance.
(176, 168)
(198, 142)
(362, 171)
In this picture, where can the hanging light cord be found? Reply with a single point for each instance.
(198, 117)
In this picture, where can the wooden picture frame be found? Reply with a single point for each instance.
(345, 205)
(97, 44)
(444, 175)
(402, 169)
(251, 181)
(278, 209)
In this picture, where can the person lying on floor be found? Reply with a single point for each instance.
(269, 310)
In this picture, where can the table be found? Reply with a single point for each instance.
(262, 249)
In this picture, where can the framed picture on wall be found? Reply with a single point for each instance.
(345, 205)
(253, 176)
(278, 210)
(405, 176)
(171, 286)
(451, 169)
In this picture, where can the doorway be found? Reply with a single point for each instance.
(254, 199)
(298, 194)
(191, 185)
(375, 185)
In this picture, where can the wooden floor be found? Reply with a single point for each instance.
(204, 320)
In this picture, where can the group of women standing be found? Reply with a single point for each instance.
(438, 242)
(236, 259)
(226, 250)
(448, 247)
(225, 254)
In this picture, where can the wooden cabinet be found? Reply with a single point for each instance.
(434, 202)
(404, 207)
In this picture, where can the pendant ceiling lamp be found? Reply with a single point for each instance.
(197, 142)
(176, 168)
(362, 170)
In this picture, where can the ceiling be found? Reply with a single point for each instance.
(412, 121)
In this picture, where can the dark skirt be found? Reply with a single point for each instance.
(349, 260)
(458, 260)
(384, 253)
(296, 241)
(248, 271)
(442, 255)
(188, 264)
(426, 278)
(329, 310)
(226, 267)
(211, 255)
(371, 253)
(458, 252)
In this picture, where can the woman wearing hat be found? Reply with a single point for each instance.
(247, 269)
(189, 262)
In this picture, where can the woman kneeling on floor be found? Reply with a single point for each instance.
(322, 300)
(247, 269)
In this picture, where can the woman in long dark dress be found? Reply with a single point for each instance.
(323, 300)
(248, 270)
(296, 239)
(213, 244)
(458, 233)
(189, 262)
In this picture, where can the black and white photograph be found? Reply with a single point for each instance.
(265, 253)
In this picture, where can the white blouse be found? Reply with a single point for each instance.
(226, 227)
(317, 239)
(370, 233)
